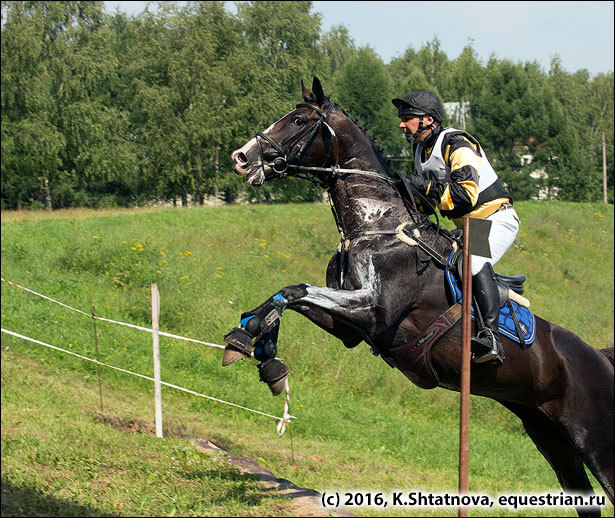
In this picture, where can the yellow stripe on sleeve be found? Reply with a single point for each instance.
(472, 190)
(446, 202)
(464, 156)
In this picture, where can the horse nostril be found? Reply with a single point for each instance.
(239, 158)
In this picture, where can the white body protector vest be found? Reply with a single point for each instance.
(436, 169)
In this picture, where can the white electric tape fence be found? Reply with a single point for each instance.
(282, 421)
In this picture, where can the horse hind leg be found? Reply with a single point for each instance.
(559, 453)
(587, 415)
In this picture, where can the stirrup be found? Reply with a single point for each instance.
(493, 352)
(492, 356)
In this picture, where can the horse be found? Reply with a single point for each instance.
(393, 296)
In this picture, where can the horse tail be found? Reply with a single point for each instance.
(609, 354)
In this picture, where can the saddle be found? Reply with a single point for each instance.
(506, 283)
(516, 321)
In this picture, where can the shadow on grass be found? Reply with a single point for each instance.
(28, 501)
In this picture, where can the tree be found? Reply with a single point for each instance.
(119, 109)
(57, 69)
(434, 64)
(511, 118)
(587, 112)
(364, 90)
(467, 78)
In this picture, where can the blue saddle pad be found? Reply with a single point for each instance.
(506, 325)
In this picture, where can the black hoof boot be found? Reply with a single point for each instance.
(487, 348)
(240, 346)
(274, 373)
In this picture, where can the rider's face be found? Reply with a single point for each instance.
(409, 124)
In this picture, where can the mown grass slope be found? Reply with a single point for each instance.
(360, 424)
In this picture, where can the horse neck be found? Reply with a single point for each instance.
(364, 203)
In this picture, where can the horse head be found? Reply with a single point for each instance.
(302, 136)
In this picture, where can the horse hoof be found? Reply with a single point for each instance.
(274, 373)
(239, 346)
(277, 387)
(232, 355)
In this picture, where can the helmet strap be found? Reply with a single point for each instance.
(420, 129)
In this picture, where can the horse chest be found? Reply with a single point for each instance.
(371, 211)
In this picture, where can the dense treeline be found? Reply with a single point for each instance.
(104, 109)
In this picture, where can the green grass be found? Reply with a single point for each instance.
(360, 424)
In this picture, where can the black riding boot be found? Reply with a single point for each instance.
(486, 345)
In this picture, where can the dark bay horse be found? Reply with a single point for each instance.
(386, 293)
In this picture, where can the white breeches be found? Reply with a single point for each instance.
(504, 230)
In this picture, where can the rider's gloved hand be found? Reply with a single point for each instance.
(420, 183)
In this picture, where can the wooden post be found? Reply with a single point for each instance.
(466, 356)
(157, 384)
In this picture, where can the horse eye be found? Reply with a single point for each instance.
(299, 121)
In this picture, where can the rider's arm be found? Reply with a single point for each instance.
(461, 192)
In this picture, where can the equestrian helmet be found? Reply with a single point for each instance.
(420, 102)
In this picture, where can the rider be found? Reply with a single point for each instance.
(452, 170)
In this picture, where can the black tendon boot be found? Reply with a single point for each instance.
(486, 345)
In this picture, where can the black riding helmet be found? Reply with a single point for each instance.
(420, 102)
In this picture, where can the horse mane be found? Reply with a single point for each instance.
(378, 151)
(390, 172)
(409, 201)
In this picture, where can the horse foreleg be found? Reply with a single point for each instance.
(347, 314)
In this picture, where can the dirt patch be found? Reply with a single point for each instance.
(132, 425)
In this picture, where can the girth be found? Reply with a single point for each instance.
(414, 358)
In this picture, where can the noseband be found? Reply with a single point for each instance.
(281, 163)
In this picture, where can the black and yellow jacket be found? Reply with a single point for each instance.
(459, 177)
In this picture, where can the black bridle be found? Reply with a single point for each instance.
(281, 163)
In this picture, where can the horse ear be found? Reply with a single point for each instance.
(317, 89)
(307, 95)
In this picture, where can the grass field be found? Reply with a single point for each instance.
(360, 424)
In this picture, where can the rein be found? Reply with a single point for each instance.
(281, 164)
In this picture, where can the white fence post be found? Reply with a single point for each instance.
(157, 384)
(155, 333)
